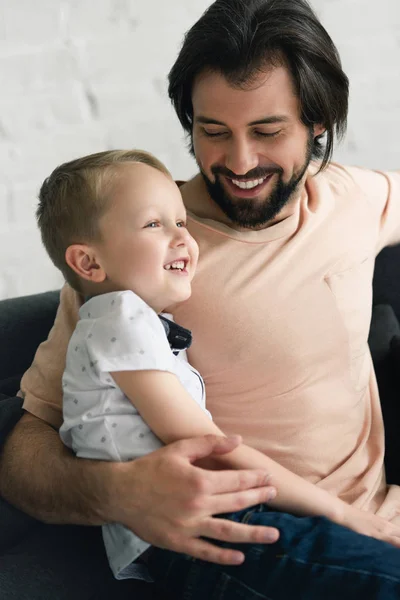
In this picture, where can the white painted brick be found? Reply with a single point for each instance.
(4, 207)
(37, 69)
(127, 101)
(160, 135)
(23, 205)
(173, 12)
(7, 153)
(354, 18)
(25, 267)
(110, 18)
(78, 76)
(24, 115)
(126, 60)
(23, 23)
(36, 158)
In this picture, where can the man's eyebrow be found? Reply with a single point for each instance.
(265, 121)
(269, 120)
(207, 121)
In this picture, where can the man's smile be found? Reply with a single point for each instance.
(247, 188)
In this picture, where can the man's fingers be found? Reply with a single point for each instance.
(232, 502)
(204, 550)
(229, 531)
(200, 447)
(226, 531)
(235, 481)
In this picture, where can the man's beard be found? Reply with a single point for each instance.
(248, 212)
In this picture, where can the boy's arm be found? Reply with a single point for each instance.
(172, 414)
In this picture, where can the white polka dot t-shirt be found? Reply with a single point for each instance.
(117, 331)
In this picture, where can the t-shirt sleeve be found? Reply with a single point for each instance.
(129, 337)
(382, 192)
(41, 384)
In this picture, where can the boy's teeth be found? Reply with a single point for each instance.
(248, 185)
(178, 264)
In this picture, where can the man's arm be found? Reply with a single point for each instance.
(39, 475)
(162, 497)
(379, 195)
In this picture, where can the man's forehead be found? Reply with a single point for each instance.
(268, 94)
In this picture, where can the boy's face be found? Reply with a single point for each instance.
(145, 246)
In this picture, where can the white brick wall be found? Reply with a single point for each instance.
(78, 76)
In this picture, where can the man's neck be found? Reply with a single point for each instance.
(198, 201)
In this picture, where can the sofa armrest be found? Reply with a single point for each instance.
(24, 323)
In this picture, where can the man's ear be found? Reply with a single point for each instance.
(318, 130)
(82, 259)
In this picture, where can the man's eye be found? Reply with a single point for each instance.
(214, 133)
(267, 135)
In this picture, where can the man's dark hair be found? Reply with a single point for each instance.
(239, 38)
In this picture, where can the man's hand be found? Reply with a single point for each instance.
(170, 503)
(163, 497)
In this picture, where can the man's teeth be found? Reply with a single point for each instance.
(248, 185)
(178, 264)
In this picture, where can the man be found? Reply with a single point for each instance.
(280, 314)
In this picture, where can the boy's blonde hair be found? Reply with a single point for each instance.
(75, 196)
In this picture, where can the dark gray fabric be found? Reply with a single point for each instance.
(14, 524)
(387, 278)
(24, 324)
(385, 330)
(64, 563)
(384, 327)
(10, 413)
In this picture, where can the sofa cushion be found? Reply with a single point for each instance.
(386, 282)
(384, 341)
(24, 324)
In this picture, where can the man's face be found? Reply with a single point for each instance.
(250, 144)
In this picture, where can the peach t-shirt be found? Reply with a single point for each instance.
(280, 320)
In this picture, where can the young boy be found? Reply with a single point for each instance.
(115, 225)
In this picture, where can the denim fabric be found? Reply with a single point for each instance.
(314, 559)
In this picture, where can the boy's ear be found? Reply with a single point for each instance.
(82, 259)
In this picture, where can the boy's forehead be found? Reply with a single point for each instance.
(144, 187)
(138, 177)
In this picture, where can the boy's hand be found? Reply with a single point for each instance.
(371, 525)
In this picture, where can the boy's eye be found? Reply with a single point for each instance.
(152, 224)
(181, 224)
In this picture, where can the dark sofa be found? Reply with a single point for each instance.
(25, 322)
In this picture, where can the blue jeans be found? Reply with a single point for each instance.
(314, 559)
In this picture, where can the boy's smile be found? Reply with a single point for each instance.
(145, 246)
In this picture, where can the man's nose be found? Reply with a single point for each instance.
(241, 157)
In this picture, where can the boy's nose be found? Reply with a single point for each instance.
(180, 237)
